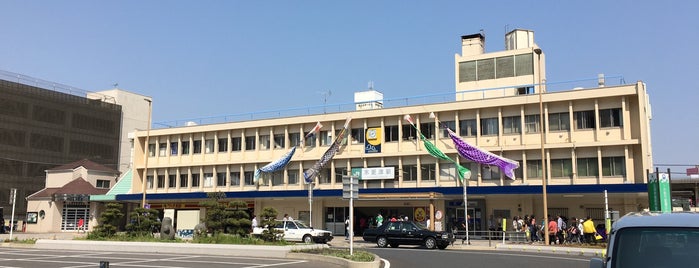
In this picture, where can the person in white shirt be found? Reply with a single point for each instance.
(254, 222)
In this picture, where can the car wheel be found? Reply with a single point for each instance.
(394, 245)
(430, 243)
(442, 246)
(307, 239)
(381, 241)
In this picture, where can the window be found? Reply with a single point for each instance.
(561, 168)
(531, 123)
(490, 172)
(584, 119)
(221, 179)
(173, 148)
(279, 141)
(409, 132)
(294, 139)
(613, 166)
(250, 143)
(505, 66)
(149, 182)
(512, 125)
(468, 128)
(587, 167)
(277, 178)
(151, 150)
(519, 173)
(357, 135)
(391, 133)
(467, 71)
(162, 149)
(324, 176)
(428, 172)
(222, 145)
(450, 125)
(197, 147)
(447, 172)
(161, 181)
(409, 172)
(264, 142)
(249, 177)
(235, 178)
(171, 181)
(293, 177)
(524, 64)
(185, 147)
(236, 144)
(184, 180)
(310, 141)
(209, 144)
(559, 121)
(103, 184)
(208, 179)
(489, 126)
(534, 169)
(326, 138)
(339, 172)
(427, 129)
(525, 90)
(196, 181)
(610, 118)
(486, 69)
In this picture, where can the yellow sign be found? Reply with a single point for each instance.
(419, 214)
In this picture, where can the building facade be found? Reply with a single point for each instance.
(594, 139)
(43, 128)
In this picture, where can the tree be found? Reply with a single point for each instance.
(143, 222)
(226, 218)
(108, 221)
(268, 220)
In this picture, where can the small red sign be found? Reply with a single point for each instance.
(692, 171)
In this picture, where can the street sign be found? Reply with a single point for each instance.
(13, 195)
(346, 187)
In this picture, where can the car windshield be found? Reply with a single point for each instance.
(302, 225)
(655, 247)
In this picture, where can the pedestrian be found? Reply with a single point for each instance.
(427, 222)
(254, 222)
(379, 220)
(81, 224)
(589, 230)
(553, 230)
(533, 230)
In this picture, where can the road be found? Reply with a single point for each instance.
(35, 258)
(421, 258)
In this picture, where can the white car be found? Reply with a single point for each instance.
(298, 231)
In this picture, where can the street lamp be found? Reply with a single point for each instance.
(543, 157)
(145, 167)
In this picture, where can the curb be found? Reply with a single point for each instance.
(591, 252)
(335, 260)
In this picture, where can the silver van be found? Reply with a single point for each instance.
(649, 239)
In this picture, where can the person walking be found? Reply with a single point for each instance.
(347, 228)
(81, 225)
(589, 230)
(553, 230)
(379, 220)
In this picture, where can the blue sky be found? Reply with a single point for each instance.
(212, 58)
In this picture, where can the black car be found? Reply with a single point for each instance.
(407, 233)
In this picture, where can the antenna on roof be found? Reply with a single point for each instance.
(325, 94)
(371, 85)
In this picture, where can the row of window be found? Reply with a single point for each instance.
(466, 128)
(500, 67)
(560, 168)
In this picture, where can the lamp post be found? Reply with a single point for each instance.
(147, 144)
(543, 156)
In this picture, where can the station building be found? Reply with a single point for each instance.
(595, 139)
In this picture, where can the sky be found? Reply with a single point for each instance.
(214, 58)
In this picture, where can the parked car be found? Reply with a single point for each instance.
(298, 231)
(407, 233)
(652, 240)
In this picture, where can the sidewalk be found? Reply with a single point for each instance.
(493, 245)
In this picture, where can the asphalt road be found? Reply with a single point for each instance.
(35, 258)
(422, 258)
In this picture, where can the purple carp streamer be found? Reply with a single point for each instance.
(483, 157)
(434, 151)
(277, 165)
(313, 171)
